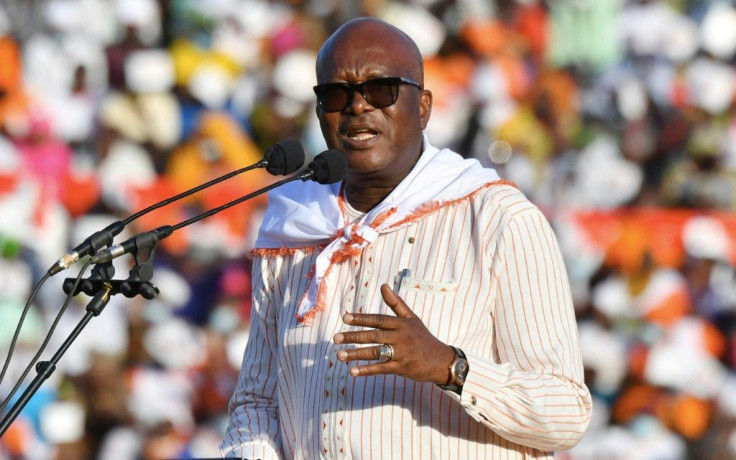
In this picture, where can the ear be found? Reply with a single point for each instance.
(425, 107)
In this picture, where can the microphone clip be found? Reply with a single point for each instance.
(145, 244)
(129, 288)
(138, 281)
(139, 278)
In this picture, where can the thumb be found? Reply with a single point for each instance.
(395, 302)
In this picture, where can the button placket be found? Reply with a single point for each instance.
(329, 404)
(366, 272)
(334, 416)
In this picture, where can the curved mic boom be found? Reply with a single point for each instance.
(280, 159)
(328, 167)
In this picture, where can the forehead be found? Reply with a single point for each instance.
(364, 54)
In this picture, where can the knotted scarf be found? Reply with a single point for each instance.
(309, 215)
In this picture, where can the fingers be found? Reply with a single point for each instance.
(360, 354)
(373, 369)
(369, 336)
(375, 321)
(385, 322)
(383, 329)
(366, 354)
(395, 302)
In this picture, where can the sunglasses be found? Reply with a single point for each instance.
(378, 92)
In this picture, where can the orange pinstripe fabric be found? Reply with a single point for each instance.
(486, 276)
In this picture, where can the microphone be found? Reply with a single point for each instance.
(284, 158)
(133, 244)
(280, 159)
(328, 167)
(89, 246)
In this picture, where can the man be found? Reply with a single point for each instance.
(419, 309)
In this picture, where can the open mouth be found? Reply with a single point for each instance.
(361, 134)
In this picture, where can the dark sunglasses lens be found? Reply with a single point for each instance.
(333, 99)
(381, 93)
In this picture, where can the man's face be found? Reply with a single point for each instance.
(382, 142)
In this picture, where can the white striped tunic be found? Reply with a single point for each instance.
(487, 276)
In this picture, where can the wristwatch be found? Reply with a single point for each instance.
(458, 372)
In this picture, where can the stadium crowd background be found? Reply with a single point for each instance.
(620, 119)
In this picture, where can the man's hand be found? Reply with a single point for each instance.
(418, 354)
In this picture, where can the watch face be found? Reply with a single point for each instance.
(461, 371)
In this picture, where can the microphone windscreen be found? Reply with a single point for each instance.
(284, 157)
(329, 167)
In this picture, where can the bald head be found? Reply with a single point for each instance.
(361, 35)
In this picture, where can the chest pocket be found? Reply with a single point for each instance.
(416, 285)
(432, 301)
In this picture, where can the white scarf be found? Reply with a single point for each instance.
(308, 214)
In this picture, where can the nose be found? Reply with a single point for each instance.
(358, 104)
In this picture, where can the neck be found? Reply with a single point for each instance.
(364, 198)
(364, 191)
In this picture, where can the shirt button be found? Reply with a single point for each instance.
(473, 400)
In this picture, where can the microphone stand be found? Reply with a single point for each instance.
(44, 369)
(101, 287)
(143, 247)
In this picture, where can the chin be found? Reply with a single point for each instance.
(361, 161)
(360, 165)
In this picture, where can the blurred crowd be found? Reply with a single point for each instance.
(616, 117)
